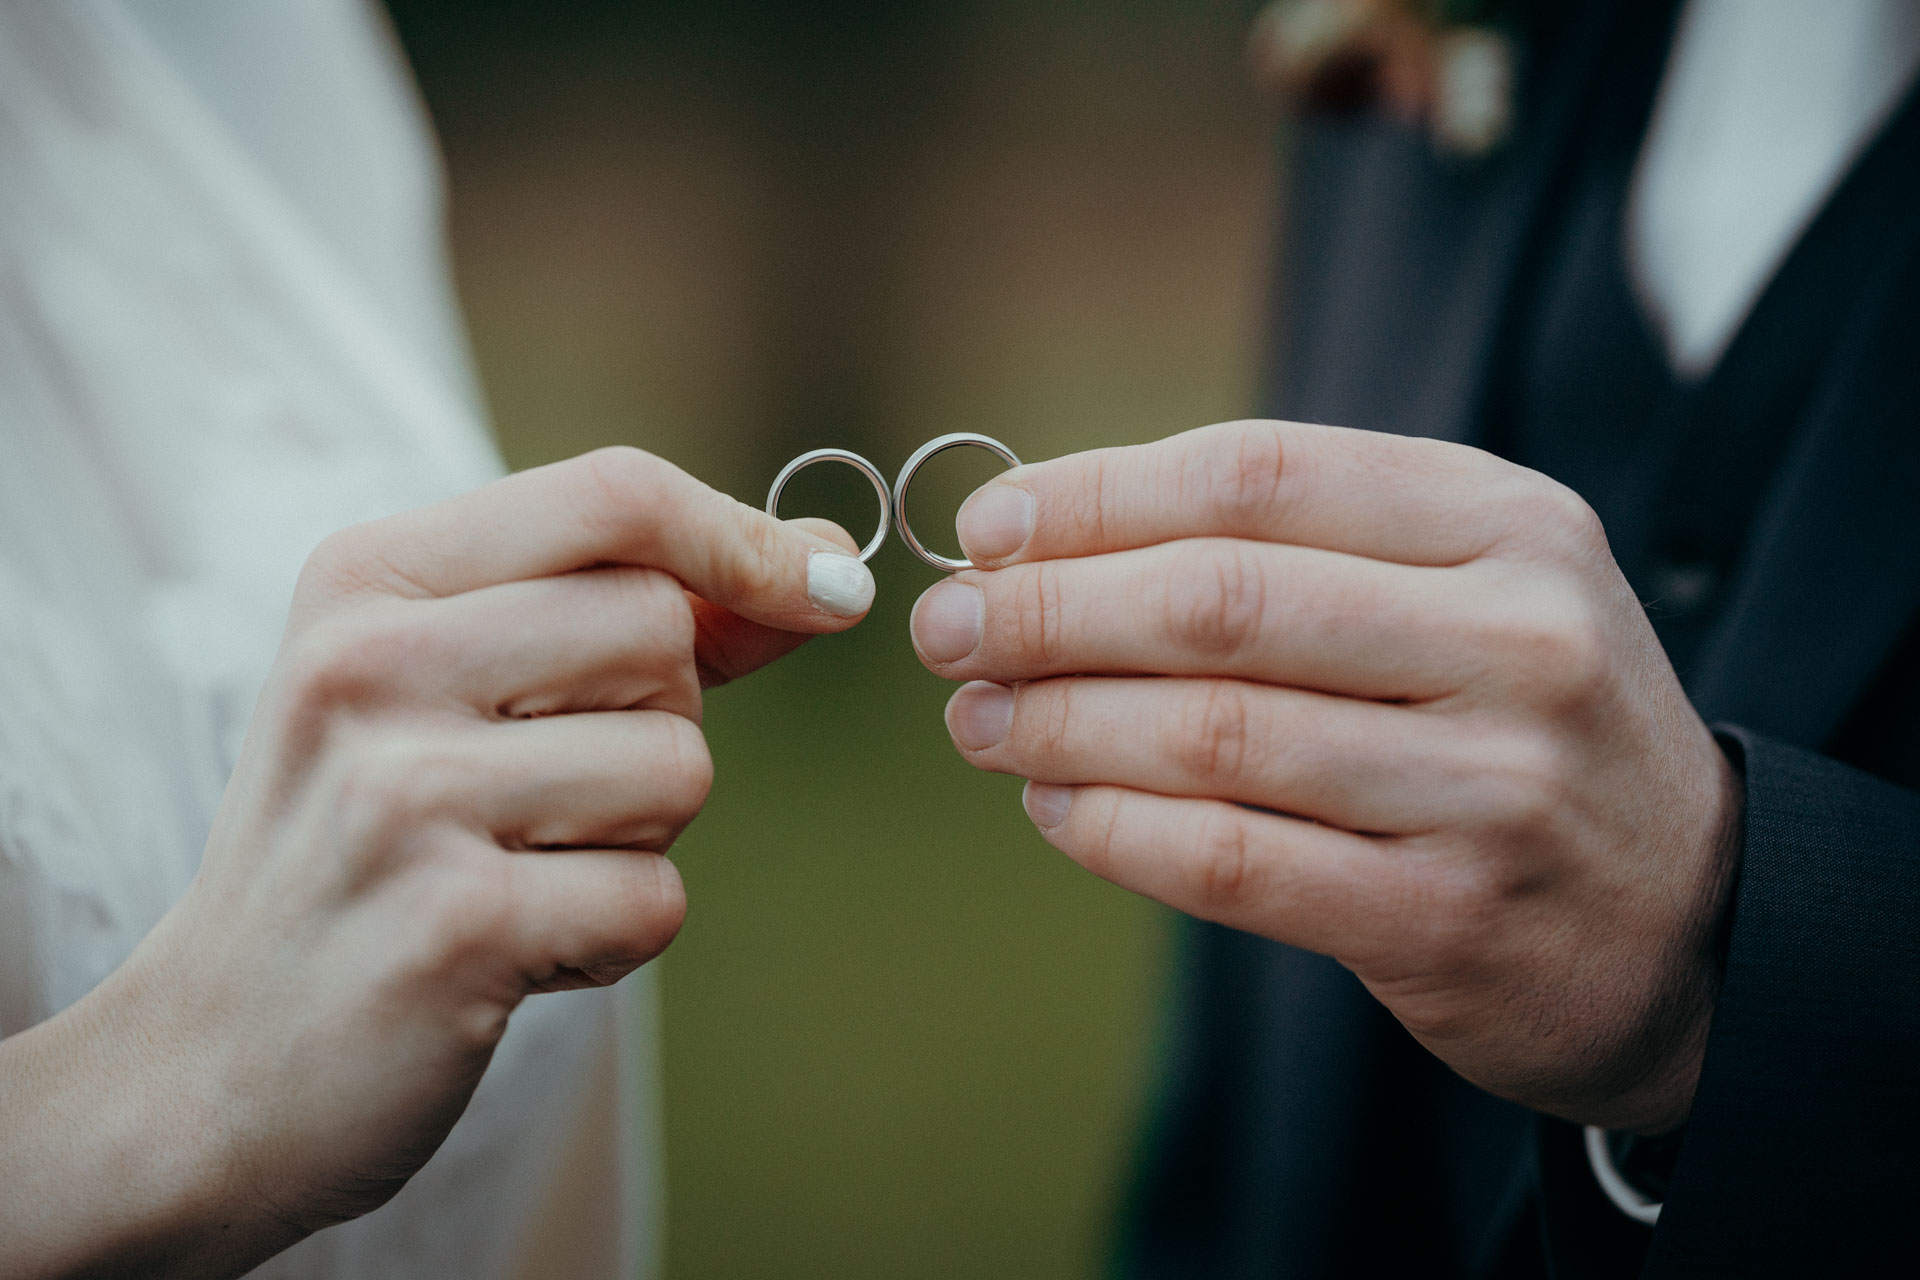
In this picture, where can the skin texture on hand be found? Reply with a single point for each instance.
(478, 742)
(1383, 698)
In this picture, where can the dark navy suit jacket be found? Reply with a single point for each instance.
(1299, 1131)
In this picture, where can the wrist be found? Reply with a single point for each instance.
(1660, 1102)
(117, 1155)
(1661, 1098)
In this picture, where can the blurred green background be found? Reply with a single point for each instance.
(901, 1035)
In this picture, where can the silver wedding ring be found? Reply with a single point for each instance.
(939, 444)
(851, 459)
(893, 505)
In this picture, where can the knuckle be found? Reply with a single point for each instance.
(754, 572)
(1210, 739)
(466, 915)
(688, 763)
(1557, 653)
(610, 485)
(350, 659)
(354, 561)
(389, 786)
(346, 561)
(432, 884)
(480, 1024)
(1544, 510)
(1043, 719)
(649, 901)
(1241, 473)
(657, 907)
(1217, 606)
(615, 476)
(1040, 614)
(660, 603)
(1222, 861)
(1100, 497)
(1096, 846)
(1531, 783)
(312, 676)
(465, 908)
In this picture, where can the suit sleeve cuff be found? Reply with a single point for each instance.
(1802, 1150)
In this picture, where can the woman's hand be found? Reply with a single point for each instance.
(1383, 698)
(479, 740)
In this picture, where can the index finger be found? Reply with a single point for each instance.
(612, 506)
(1366, 493)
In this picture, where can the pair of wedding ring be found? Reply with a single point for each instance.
(893, 503)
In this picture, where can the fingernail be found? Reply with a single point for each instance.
(948, 621)
(995, 522)
(838, 584)
(1047, 804)
(980, 715)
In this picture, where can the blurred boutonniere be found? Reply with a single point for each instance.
(1444, 65)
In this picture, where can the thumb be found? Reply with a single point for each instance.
(728, 646)
(839, 584)
(616, 506)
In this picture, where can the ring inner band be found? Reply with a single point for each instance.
(851, 459)
(939, 444)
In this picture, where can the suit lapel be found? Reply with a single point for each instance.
(1832, 576)
(1401, 264)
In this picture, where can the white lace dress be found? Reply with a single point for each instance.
(224, 332)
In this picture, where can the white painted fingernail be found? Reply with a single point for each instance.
(839, 584)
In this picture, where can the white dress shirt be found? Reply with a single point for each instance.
(1763, 108)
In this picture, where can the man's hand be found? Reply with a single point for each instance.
(1387, 699)
(478, 741)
